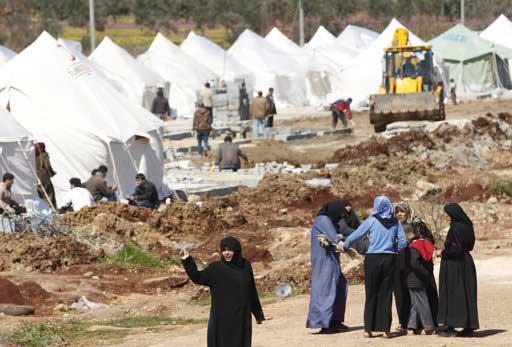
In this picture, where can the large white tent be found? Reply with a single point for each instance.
(364, 76)
(325, 43)
(17, 156)
(357, 37)
(185, 74)
(117, 64)
(322, 74)
(215, 57)
(499, 32)
(6, 54)
(83, 120)
(271, 68)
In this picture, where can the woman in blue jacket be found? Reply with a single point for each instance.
(387, 237)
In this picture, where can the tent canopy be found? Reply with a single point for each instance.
(185, 74)
(321, 38)
(11, 130)
(6, 54)
(357, 37)
(499, 32)
(324, 43)
(461, 44)
(322, 74)
(476, 64)
(218, 60)
(17, 156)
(271, 67)
(117, 64)
(82, 119)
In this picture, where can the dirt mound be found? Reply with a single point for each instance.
(211, 216)
(405, 143)
(9, 293)
(126, 212)
(34, 293)
(472, 191)
(57, 253)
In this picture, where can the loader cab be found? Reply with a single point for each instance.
(407, 69)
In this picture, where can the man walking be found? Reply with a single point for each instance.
(206, 97)
(258, 115)
(271, 112)
(202, 125)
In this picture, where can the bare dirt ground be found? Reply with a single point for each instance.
(157, 306)
(287, 324)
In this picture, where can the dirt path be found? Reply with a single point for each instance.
(286, 326)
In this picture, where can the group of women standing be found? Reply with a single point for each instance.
(399, 251)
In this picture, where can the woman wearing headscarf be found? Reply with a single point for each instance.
(44, 173)
(457, 276)
(349, 223)
(234, 295)
(328, 285)
(405, 216)
(386, 239)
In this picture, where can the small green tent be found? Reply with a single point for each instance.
(477, 66)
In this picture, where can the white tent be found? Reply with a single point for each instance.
(322, 74)
(117, 64)
(118, 85)
(6, 54)
(364, 76)
(325, 43)
(215, 58)
(185, 74)
(499, 32)
(357, 37)
(271, 68)
(82, 119)
(75, 45)
(17, 156)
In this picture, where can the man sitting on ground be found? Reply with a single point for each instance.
(97, 186)
(228, 156)
(7, 203)
(76, 198)
(145, 194)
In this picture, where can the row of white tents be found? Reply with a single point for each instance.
(88, 110)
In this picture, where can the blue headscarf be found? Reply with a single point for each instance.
(383, 211)
(383, 207)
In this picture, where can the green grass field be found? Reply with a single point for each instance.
(137, 39)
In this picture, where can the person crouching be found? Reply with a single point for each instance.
(145, 194)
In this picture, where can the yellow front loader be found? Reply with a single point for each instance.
(409, 90)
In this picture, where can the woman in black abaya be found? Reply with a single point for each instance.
(457, 276)
(234, 295)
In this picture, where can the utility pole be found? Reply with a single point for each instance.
(301, 24)
(462, 12)
(92, 25)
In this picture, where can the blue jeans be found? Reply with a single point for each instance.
(337, 114)
(202, 138)
(145, 203)
(258, 127)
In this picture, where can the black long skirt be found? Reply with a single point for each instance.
(378, 277)
(401, 291)
(458, 293)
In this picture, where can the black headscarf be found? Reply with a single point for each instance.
(234, 245)
(461, 223)
(336, 211)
